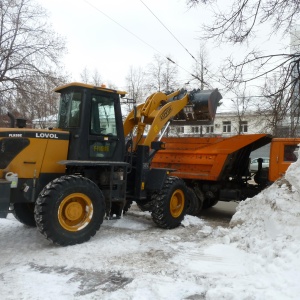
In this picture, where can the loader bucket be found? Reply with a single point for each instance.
(201, 108)
(205, 103)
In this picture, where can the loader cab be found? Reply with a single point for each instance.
(93, 117)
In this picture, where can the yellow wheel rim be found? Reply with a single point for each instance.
(177, 203)
(75, 212)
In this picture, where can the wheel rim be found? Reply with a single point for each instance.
(177, 203)
(75, 212)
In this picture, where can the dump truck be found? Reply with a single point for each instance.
(93, 165)
(217, 168)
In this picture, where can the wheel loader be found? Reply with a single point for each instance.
(92, 165)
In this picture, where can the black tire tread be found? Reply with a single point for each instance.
(161, 204)
(193, 205)
(24, 213)
(54, 189)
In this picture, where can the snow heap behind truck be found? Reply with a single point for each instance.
(66, 180)
(217, 169)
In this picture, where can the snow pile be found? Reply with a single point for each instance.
(271, 216)
(267, 226)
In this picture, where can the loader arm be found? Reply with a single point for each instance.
(160, 108)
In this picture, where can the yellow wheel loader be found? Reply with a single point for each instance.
(92, 166)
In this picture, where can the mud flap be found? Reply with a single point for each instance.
(156, 179)
(4, 197)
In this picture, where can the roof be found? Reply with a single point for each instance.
(89, 86)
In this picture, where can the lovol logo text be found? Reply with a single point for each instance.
(44, 135)
(166, 112)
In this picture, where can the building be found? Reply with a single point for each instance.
(225, 124)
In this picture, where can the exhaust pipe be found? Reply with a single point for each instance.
(12, 120)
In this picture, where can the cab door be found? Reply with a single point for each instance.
(106, 138)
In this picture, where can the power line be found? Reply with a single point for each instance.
(169, 31)
(140, 39)
(110, 18)
(193, 75)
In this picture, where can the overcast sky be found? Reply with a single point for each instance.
(96, 41)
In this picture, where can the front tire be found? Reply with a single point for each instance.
(168, 207)
(70, 210)
(24, 213)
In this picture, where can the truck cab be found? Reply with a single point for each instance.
(283, 152)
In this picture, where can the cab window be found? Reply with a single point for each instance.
(290, 152)
(103, 119)
(70, 110)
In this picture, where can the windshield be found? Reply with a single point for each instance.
(103, 119)
(69, 113)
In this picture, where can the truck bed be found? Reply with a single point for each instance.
(205, 158)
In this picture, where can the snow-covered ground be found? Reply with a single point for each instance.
(257, 257)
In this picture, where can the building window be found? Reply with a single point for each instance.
(227, 126)
(243, 126)
(180, 129)
(195, 129)
(209, 129)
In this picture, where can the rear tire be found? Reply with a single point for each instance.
(70, 210)
(192, 203)
(208, 203)
(200, 198)
(168, 207)
(24, 213)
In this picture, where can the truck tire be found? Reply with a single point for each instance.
(69, 210)
(208, 203)
(24, 213)
(168, 207)
(200, 198)
(192, 203)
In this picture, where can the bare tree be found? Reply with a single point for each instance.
(42, 103)
(238, 23)
(155, 74)
(170, 74)
(135, 88)
(135, 84)
(201, 68)
(85, 76)
(96, 78)
(28, 50)
(88, 77)
(162, 74)
(274, 109)
(241, 103)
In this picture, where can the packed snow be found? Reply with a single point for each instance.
(256, 257)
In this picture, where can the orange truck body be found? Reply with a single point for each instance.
(221, 165)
